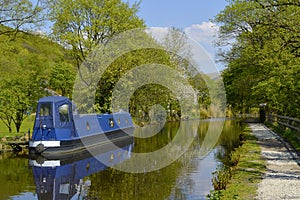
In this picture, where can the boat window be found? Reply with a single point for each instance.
(112, 157)
(88, 126)
(64, 113)
(111, 122)
(45, 109)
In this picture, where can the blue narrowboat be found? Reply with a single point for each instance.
(58, 129)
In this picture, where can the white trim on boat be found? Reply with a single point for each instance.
(47, 163)
(45, 143)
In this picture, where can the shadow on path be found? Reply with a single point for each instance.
(282, 178)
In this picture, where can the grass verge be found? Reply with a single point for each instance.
(289, 135)
(248, 172)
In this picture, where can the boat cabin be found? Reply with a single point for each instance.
(54, 119)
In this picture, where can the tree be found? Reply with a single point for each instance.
(264, 54)
(27, 88)
(7, 109)
(62, 78)
(82, 25)
(20, 15)
(145, 96)
(18, 97)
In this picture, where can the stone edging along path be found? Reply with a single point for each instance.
(282, 177)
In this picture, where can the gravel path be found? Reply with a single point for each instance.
(282, 178)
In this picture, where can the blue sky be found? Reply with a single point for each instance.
(178, 13)
(191, 16)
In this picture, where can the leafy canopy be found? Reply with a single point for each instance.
(263, 63)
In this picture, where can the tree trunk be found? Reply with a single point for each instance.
(7, 122)
(18, 120)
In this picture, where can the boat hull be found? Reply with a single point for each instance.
(65, 147)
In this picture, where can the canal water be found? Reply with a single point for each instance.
(85, 177)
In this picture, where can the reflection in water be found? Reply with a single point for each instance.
(83, 177)
(194, 182)
(65, 178)
(15, 176)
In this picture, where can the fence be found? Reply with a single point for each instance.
(249, 118)
(285, 122)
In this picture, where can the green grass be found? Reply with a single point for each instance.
(27, 124)
(247, 174)
(291, 136)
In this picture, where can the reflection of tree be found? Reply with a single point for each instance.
(228, 141)
(167, 182)
(171, 182)
(113, 184)
(15, 177)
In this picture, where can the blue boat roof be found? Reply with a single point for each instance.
(53, 99)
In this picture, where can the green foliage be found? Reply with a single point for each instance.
(229, 155)
(221, 177)
(118, 73)
(291, 136)
(263, 63)
(27, 88)
(82, 25)
(145, 96)
(18, 97)
(85, 26)
(234, 158)
(62, 78)
(215, 195)
(25, 64)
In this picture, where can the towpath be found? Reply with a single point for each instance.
(282, 177)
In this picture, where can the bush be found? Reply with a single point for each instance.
(221, 177)
(234, 158)
(215, 195)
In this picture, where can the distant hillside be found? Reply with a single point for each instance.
(29, 52)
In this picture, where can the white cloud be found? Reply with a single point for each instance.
(158, 33)
(200, 42)
(205, 32)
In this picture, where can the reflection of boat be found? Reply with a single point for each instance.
(59, 130)
(65, 178)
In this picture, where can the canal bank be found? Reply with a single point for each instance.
(246, 174)
(268, 168)
(282, 177)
